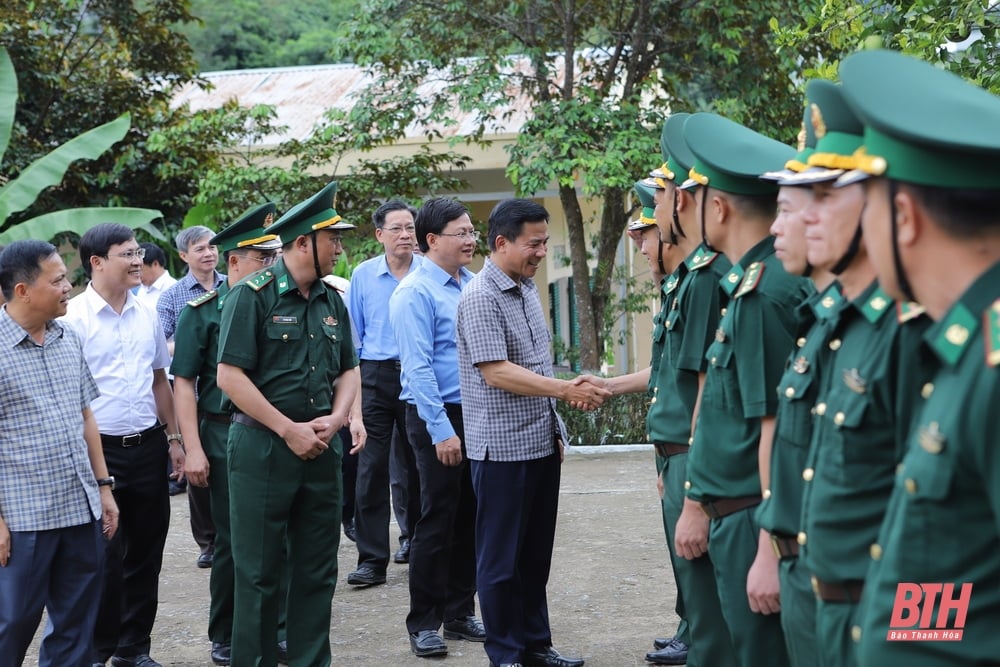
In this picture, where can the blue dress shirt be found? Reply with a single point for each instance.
(372, 283)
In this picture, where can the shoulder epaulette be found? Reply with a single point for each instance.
(750, 279)
(257, 282)
(203, 299)
(876, 306)
(954, 333)
(991, 334)
(908, 310)
(701, 258)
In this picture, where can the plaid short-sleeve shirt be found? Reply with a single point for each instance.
(46, 480)
(502, 320)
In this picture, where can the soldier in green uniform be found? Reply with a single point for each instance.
(867, 388)
(932, 228)
(781, 508)
(729, 461)
(686, 327)
(287, 362)
(200, 404)
(662, 258)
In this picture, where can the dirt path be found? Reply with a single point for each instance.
(610, 592)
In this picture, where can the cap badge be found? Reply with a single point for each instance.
(819, 126)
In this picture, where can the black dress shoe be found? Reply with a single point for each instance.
(402, 554)
(427, 643)
(221, 653)
(470, 629)
(134, 661)
(661, 643)
(350, 532)
(675, 652)
(283, 652)
(549, 657)
(205, 560)
(366, 576)
(505, 664)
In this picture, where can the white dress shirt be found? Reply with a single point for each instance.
(150, 295)
(122, 352)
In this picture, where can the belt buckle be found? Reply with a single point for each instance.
(132, 440)
(775, 546)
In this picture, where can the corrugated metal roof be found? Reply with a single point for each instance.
(302, 94)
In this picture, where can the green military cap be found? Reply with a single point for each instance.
(806, 147)
(679, 157)
(645, 194)
(731, 157)
(312, 215)
(923, 125)
(250, 231)
(838, 131)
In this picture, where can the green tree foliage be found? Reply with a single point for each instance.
(961, 35)
(598, 78)
(244, 34)
(81, 64)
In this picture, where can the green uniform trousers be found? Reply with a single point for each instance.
(214, 436)
(698, 603)
(271, 490)
(834, 621)
(673, 473)
(757, 639)
(798, 612)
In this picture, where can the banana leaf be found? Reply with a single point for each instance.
(8, 98)
(79, 220)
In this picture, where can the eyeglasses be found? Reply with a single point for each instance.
(130, 254)
(410, 229)
(266, 260)
(464, 235)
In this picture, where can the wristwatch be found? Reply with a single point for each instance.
(107, 481)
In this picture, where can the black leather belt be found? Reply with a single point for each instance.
(132, 439)
(247, 420)
(717, 509)
(785, 546)
(215, 417)
(384, 363)
(668, 449)
(840, 591)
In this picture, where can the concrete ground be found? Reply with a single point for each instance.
(611, 590)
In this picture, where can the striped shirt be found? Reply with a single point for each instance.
(173, 300)
(46, 480)
(500, 320)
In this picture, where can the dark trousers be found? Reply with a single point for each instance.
(135, 554)
(403, 482)
(202, 525)
(443, 543)
(349, 471)
(515, 530)
(214, 436)
(383, 413)
(59, 570)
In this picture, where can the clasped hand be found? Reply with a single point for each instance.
(587, 392)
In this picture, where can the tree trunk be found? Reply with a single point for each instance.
(590, 350)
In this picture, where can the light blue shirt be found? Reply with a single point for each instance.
(372, 283)
(422, 313)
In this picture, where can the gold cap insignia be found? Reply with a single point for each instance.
(819, 127)
(268, 220)
(801, 145)
(931, 439)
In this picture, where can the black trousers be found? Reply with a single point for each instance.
(383, 413)
(135, 554)
(443, 542)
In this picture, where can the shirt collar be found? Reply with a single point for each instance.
(12, 333)
(190, 281)
(96, 303)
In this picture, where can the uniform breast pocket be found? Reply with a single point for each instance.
(659, 330)
(796, 395)
(866, 432)
(282, 339)
(722, 366)
(926, 485)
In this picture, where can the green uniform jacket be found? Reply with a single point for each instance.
(688, 326)
(943, 522)
(277, 337)
(781, 509)
(196, 348)
(868, 394)
(745, 364)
